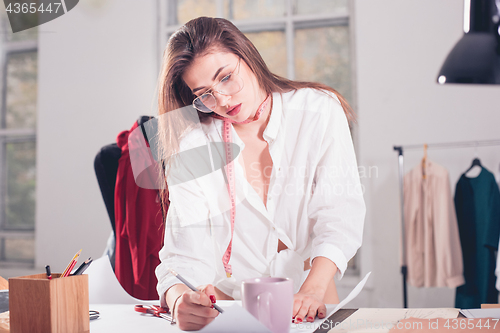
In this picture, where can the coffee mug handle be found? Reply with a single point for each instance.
(264, 308)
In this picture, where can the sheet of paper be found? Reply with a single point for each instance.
(252, 324)
(104, 287)
(432, 313)
(235, 319)
(382, 320)
(123, 318)
(481, 313)
(352, 294)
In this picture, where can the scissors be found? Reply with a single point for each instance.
(156, 311)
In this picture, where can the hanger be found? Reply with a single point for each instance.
(424, 162)
(475, 161)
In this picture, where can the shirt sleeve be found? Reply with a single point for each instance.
(336, 209)
(188, 250)
(188, 246)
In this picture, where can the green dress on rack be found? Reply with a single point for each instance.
(477, 203)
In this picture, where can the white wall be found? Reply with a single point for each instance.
(401, 46)
(97, 74)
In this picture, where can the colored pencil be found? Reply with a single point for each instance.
(71, 264)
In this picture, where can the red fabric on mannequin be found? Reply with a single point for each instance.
(139, 229)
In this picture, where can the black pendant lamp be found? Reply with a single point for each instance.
(476, 57)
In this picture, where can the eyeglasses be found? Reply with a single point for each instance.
(229, 85)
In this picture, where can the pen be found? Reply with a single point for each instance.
(47, 269)
(83, 267)
(193, 288)
(71, 264)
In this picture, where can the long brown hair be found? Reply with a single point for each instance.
(197, 38)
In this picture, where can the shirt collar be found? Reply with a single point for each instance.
(271, 131)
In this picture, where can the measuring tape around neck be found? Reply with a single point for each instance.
(229, 168)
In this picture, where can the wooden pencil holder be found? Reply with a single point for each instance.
(60, 305)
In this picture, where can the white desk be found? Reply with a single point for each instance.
(124, 319)
(104, 289)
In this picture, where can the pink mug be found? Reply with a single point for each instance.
(270, 300)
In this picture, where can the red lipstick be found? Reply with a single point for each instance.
(233, 111)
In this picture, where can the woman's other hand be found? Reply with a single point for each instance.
(194, 310)
(318, 288)
(306, 306)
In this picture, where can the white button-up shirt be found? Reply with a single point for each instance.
(315, 202)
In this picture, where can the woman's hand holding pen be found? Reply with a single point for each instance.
(193, 309)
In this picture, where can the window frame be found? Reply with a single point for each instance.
(287, 23)
(17, 135)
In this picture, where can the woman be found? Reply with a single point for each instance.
(290, 204)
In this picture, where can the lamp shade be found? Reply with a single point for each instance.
(473, 60)
(476, 56)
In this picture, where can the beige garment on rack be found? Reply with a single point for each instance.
(433, 251)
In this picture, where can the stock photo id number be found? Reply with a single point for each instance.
(28, 14)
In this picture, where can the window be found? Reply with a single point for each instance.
(18, 72)
(298, 39)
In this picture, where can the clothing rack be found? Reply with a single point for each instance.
(400, 150)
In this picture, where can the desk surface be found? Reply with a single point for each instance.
(122, 318)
